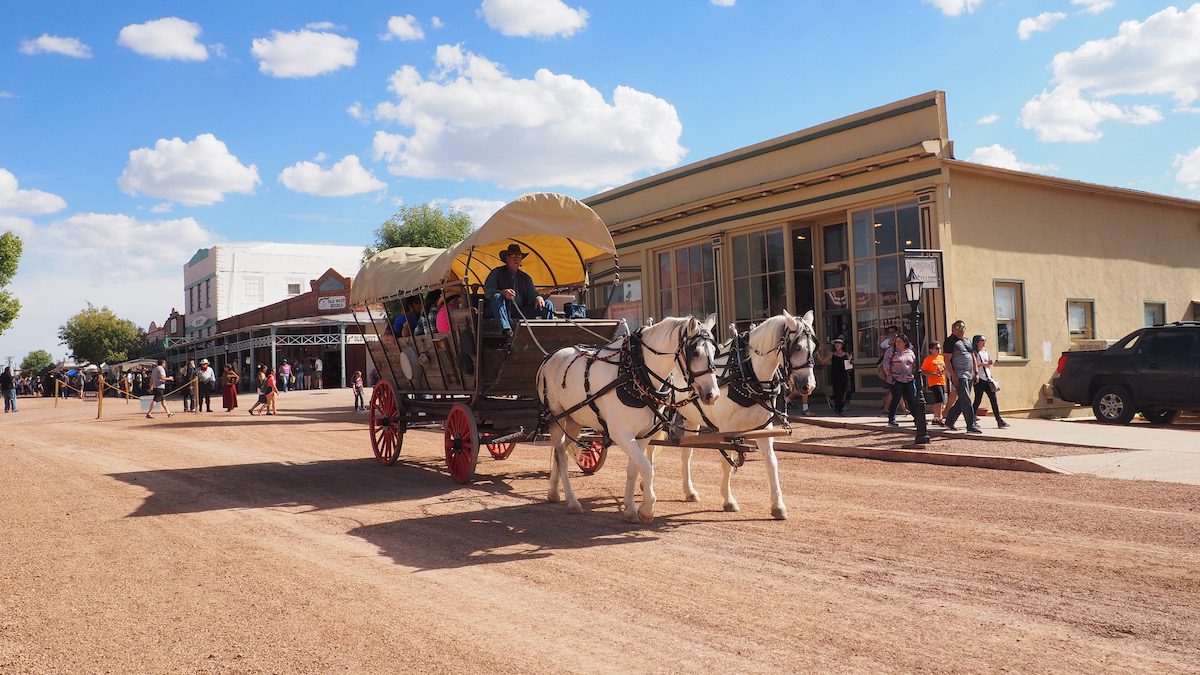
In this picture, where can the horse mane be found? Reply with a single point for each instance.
(666, 325)
(767, 334)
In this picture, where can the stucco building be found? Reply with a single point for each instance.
(830, 218)
(227, 280)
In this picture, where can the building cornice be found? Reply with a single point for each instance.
(1079, 186)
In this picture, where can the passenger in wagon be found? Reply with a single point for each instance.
(509, 289)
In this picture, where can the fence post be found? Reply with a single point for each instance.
(56, 392)
(99, 395)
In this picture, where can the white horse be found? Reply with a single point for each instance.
(779, 349)
(570, 378)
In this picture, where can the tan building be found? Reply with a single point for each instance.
(831, 217)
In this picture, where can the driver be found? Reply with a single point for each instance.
(509, 289)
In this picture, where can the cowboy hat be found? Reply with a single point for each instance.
(511, 250)
(204, 362)
(448, 295)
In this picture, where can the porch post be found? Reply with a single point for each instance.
(342, 351)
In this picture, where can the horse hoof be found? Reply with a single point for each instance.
(575, 508)
(693, 497)
(646, 518)
(732, 507)
(631, 517)
(552, 498)
(779, 513)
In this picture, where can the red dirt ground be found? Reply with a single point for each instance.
(230, 543)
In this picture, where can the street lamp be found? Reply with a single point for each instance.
(912, 293)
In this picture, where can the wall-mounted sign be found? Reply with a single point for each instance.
(926, 268)
(198, 321)
(331, 302)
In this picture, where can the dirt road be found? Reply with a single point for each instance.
(230, 543)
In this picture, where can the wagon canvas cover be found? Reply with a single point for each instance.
(560, 234)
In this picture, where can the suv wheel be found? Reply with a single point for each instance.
(1113, 405)
(1160, 416)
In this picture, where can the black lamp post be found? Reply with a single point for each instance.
(912, 292)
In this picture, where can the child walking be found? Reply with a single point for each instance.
(358, 391)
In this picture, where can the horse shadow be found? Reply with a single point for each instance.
(319, 485)
(517, 533)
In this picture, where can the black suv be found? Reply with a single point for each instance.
(1153, 370)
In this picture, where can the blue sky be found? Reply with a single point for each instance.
(132, 133)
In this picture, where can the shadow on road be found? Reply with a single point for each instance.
(499, 535)
(322, 485)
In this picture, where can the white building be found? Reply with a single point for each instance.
(227, 280)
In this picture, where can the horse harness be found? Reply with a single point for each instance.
(635, 383)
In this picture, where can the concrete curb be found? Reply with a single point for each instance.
(937, 432)
(922, 457)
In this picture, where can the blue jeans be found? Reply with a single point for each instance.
(501, 309)
(10, 400)
(283, 382)
(962, 405)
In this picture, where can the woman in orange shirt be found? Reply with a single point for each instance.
(934, 367)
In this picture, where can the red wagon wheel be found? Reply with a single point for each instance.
(387, 430)
(592, 458)
(501, 450)
(462, 443)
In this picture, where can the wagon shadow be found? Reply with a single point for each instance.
(318, 485)
(490, 536)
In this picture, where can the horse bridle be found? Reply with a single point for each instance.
(790, 348)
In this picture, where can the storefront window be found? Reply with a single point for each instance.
(880, 236)
(802, 269)
(687, 281)
(759, 281)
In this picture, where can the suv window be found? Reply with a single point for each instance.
(1168, 344)
(1129, 342)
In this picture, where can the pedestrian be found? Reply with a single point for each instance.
(308, 370)
(262, 391)
(984, 382)
(358, 391)
(511, 294)
(229, 385)
(272, 392)
(901, 368)
(960, 368)
(285, 374)
(9, 388)
(934, 368)
(841, 373)
(158, 384)
(208, 381)
(187, 373)
(884, 345)
(318, 373)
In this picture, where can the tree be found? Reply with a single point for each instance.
(37, 360)
(10, 257)
(421, 225)
(99, 336)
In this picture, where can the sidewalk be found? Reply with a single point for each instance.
(1135, 451)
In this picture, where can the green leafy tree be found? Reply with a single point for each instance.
(99, 336)
(421, 225)
(10, 257)
(37, 360)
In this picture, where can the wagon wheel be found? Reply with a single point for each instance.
(592, 457)
(387, 429)
(462, 443)
(501, 450)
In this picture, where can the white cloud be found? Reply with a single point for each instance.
(18, 225)
(404, 27)
(343, 179)
(168, 38)
(999, 156)
(7, 94)
(53, 44)
(436, 22)
(136, 244)
(356, 111)
(303, 53)
(987, 119)
(15, 200)
(478, 209)
(197, 172)
(1093, 6)
(1189, 168)
(533, 18)
(1154, 57)
(724, 3)
(470, 120)
(323, 25)
(1063, 115)
(1041, 22)
(955, 7)
(164, 207)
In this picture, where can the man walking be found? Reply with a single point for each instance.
(186, 373)
(208, 381)
(158, 384)
(511, 293)
(8, 386)
(318, 373)
(960, 369)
